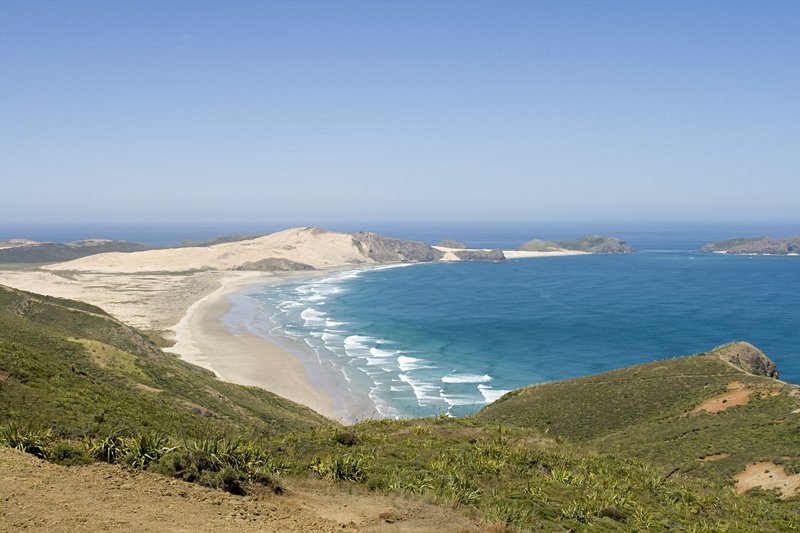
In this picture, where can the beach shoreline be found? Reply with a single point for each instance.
(237, 355)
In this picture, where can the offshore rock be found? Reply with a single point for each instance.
(387, 250)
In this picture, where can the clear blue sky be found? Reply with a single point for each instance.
(392, 110)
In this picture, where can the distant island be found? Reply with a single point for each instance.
(755, 245)
(593, 244)
(450, 243)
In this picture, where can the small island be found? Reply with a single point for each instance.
(755, 246)
(593, 244)
(450, 243)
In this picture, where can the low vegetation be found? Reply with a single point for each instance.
(650, 412)
(622, 451)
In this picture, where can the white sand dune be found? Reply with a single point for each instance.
(311, 246)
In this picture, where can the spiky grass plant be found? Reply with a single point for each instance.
(26, 438)
(146, 447)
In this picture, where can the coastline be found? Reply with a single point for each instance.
(239, 356)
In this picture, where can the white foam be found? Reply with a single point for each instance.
(357, 342)
(331, 324)
(407, 364)
(425, 392)
(489, 394)
(312, 316)
(387, 267)
(453, 400)
(377, 352)
(466, 378)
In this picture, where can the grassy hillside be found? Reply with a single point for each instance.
(520, 478)
(656, 412)
(71, 366)
(615, 452)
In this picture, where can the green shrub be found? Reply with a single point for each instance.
(228, 479)
(268, 480)
(67, 453)
(347, 438)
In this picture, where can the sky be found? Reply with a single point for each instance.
(246, 111)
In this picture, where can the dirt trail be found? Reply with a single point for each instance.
(40, 496)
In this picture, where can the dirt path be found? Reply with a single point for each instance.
(39, 496)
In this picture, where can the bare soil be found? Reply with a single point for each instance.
(768, 476)
(39, 496)
(738, 394)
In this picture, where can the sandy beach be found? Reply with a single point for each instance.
(238, 356)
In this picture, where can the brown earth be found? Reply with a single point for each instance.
(715, 457)
(768, 476)
(738, 394)
(39, 496)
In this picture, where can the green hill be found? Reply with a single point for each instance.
(71, 366)
(676, 413)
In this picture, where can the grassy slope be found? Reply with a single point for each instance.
(71, 366)
(643, 412)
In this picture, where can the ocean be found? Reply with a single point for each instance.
(439, 338)
(448, 338)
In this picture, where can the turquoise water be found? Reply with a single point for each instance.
(433, 338)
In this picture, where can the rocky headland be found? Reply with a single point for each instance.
(755, 246)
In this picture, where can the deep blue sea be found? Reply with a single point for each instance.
(435, 338)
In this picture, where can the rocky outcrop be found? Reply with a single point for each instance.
(275, 264)
(755, 245)
(387, 250)
(748, 358)
(449, 243)
(593, 244)
(479, 255)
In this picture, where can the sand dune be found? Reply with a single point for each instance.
(311, 246)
